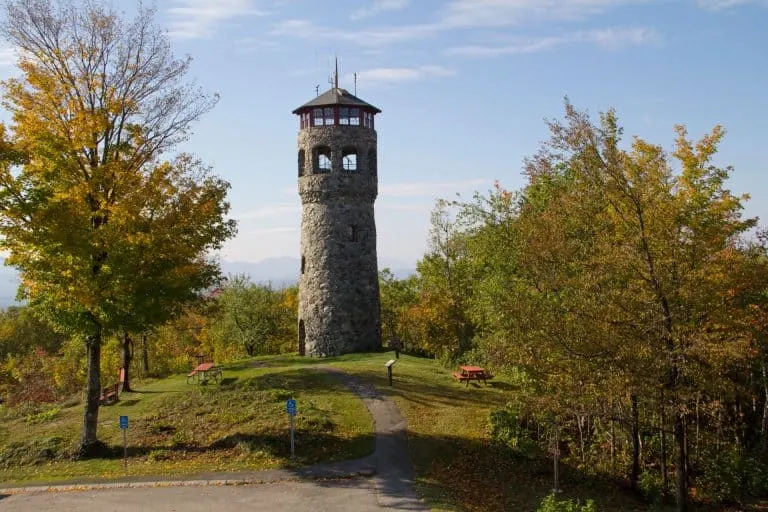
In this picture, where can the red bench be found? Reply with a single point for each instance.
(468, 373)
(110, 394)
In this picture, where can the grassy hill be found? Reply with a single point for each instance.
(178, 428)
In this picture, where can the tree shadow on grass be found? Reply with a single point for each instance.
(228, 381)
(128, 403)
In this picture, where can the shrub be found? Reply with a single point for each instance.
(508, 428)
(732, 475)
(551, 504)
(652, 486)
(42, 417)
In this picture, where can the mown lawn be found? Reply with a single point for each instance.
(178, 428)
(456, 467)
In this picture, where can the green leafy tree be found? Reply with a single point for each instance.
(262, 320)
(99, 99)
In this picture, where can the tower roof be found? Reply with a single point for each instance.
(337, 96)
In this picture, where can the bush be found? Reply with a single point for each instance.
(508, 428)
(652, 486)
(43, 416)
(551, 504)
(731, 475)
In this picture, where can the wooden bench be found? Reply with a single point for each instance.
(110, 394)
(460, 376)
(468, 373)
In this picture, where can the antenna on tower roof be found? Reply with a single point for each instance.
(317, 90)
(355, 75)
(336, 74)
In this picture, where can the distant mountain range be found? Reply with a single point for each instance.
(279, 272)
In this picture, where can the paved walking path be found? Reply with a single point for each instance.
(320, 487)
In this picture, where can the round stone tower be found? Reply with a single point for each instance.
(338, 184)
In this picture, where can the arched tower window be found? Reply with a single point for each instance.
(322, 159)
(372, 161)
(349, 159)
(301, 162)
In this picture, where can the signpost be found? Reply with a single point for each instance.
(124, 428)
(389, 364)
(290, 408)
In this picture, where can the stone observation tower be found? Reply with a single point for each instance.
(338, 184)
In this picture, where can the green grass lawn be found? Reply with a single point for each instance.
(180, 428)
(456, 467)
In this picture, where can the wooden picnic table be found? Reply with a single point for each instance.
(468, 373)
(204, 371)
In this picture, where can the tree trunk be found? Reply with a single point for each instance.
(88, 439)
(681, 464)
(126, 355)
(764, 425)
(144, 354)
(635, 477)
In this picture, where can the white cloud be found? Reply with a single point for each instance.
(722, 5)
(493, 13)
(193, 19)
(379, 76)
(305, 29)
(428, 189)
(272, 231)
(457, 15)
(611, 37)
(269, 211)
(379, 6)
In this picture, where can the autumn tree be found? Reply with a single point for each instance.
(622, 285)
(99, 100)
(256, 316)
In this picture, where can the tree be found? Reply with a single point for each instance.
(624, 283)
(99, 100)
(397, 296)
(175, 221)
(445, 288)
(259, 318)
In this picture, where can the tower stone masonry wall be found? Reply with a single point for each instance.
(338, 285)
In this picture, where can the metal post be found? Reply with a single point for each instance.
(125, 450)
(292, 451)
(389, 374)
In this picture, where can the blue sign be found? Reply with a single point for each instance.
(123, 422)
(290, 407)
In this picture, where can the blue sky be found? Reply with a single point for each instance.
(464, 86)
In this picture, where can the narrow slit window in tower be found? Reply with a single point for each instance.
(302, 338)
(352, 231)
(372, 161)
(303, 263)
(322, 159)
(301, 162)
(349, 159)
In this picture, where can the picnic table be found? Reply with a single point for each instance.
(468, 373)
(205, 371)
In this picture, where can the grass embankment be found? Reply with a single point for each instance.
(178, 428)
